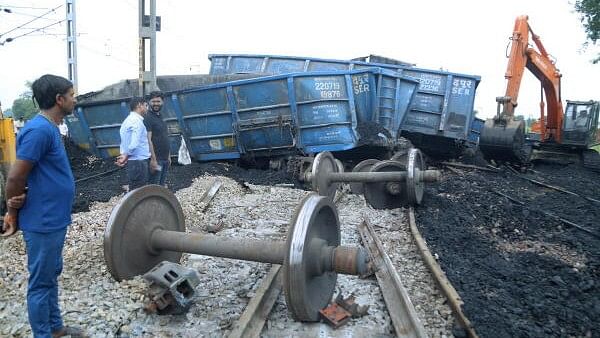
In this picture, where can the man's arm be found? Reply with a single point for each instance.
(15, 190)
(17, 181)
(152, 154)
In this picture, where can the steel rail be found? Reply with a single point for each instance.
(440, 278)
(97, 175)
(553, 187)
(253, 319)
(402, 312)
(546, 213)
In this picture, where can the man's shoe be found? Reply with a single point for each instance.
(70, 331)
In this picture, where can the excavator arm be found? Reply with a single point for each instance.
(503, 137)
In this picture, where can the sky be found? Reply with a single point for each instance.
(461, 36)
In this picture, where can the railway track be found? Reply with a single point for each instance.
(97, 175)
(540, 195)
(405, 319)
(402, 312)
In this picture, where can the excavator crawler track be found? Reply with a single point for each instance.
(591, 160)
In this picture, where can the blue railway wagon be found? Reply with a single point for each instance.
(476, 127)
(77, 133)
(299, 112)
(100, 122)
(95, 124)
(443, 106)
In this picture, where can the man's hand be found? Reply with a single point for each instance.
(153, 165)
(121, 160)
(10, 225)
(16, 202)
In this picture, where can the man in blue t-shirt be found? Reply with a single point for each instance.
(43, 167)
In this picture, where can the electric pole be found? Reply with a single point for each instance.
(149, 24)
(72, 43)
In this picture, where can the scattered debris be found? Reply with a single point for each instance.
(341, 310)
(171, 290)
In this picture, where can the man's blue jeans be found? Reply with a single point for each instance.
(137, 173)
(45, 263)
(159, 177)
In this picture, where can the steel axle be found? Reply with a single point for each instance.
(325, 258)
(387, 184)
(147, 227)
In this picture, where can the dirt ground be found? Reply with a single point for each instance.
(521, 273)
(179, 177)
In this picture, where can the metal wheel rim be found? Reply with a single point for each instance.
(376, 193)
(305, 295)
(324, 164)
(414, 187)
(127, 250)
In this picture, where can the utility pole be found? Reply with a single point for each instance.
(72, 43)
(149, 24)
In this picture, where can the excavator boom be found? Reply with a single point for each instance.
(503, 137)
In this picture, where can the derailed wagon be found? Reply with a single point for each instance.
(439, 121)
(301, 113)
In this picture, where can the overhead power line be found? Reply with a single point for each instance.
(30, 32)
(24, 7)
(32, 20)
(27, 14)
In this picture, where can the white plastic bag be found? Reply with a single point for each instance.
(183, 157)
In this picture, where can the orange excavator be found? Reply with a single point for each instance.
(503, 138)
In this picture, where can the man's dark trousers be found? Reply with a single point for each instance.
(159, 177)
(137, 173)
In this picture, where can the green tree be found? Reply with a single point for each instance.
(589, 11)
(24, 107)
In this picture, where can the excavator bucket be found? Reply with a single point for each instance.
(504, 140)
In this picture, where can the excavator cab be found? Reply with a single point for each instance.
(580, 124)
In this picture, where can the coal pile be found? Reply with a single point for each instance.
(520, 272)
(102, 188)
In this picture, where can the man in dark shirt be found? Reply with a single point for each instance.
(43, 167)
(158, 134)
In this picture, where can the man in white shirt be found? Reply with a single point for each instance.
(18, 124)
(135, 149)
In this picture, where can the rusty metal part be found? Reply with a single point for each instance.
(335, 315)
(350, 260)
(402, 312)
(363, 166)
(172, 288)
(140, 212)
(443, 283)
(350, 305)
(311, 256)
(253, 319)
